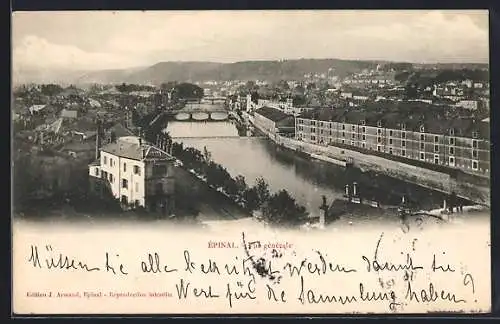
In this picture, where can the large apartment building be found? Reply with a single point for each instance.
(456, 143)
(136, 173)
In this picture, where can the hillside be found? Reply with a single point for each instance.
(175, 71)
(204, 71)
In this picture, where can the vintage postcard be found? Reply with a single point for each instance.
(251, 162)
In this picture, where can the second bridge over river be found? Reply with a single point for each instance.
(200, 112)
(200, 115)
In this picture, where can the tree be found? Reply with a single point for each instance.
(255, 96)
(251, 199)
(283, 85)
(188, 91)
(241, 185)
(230, 186)
(193, 159)
(219, 177)
(299, 100)
(262, 190)
(51, 89)
(311, 86)
(177, 149)
(411, 91)
(402, 76)
(122, 87)
(168, 85)
(21, 91)
(281, 209)
(207, 155)
(299, 90)
(251, 86)
(397, 67)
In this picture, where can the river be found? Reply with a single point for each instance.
(306, 180)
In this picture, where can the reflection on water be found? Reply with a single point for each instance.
(251, 158)
(306, 180)
(201, 129)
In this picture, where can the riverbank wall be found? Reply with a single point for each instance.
(465, 186)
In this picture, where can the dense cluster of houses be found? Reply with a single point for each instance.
(65, 124)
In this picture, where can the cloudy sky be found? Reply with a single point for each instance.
(102, 40)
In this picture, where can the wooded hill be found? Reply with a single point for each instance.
(247, 70)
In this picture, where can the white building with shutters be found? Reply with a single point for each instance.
(135, 172)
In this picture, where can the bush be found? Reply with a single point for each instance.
(281, 209)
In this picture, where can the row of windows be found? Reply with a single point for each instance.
(403, 144)
(105, 161)
(111, 179)
(137, 169)
(451, 159)
(475, 134)
(125, 185)
(124, 200)
(451, 140)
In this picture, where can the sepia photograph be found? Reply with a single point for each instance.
(152, 151)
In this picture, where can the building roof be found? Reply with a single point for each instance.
(71, 90)
(69, 113)
(272, 114)
(131, 148)
(35, 108)
(434, 123)
(94, 103)
(79, 146)
(121, 130)
(360, 93)
(82, 124)
(51, 126)
(325, 114)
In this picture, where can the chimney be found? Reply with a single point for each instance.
(323, 210)
(322, 217)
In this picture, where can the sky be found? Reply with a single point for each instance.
(95, 40)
